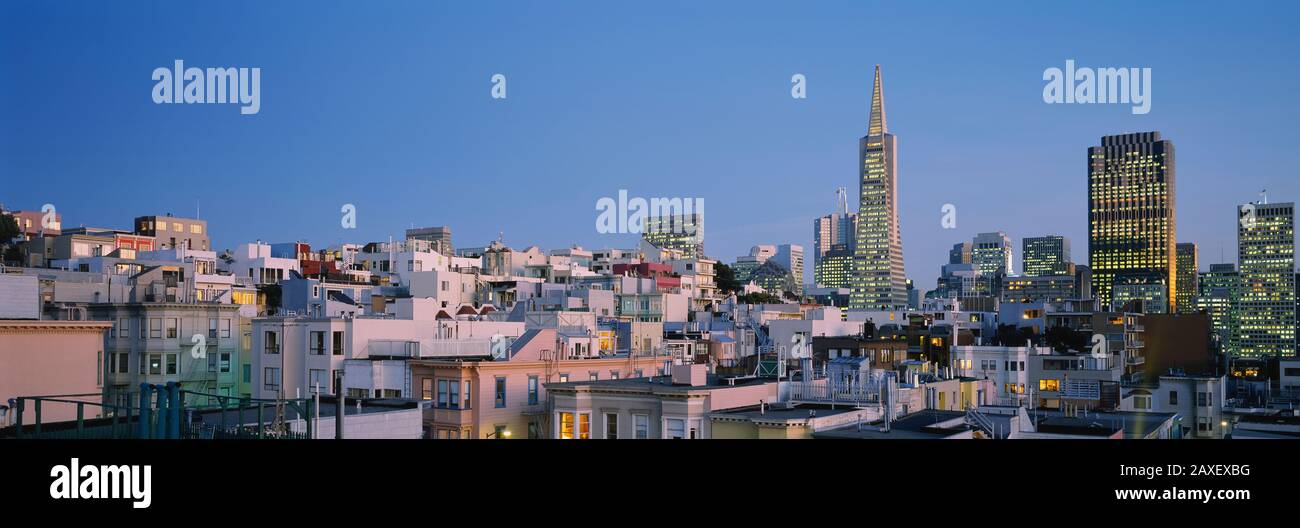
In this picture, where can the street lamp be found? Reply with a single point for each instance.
(499, 434)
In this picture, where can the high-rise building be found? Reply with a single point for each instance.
(960, 253)
(1266, 255)
(1045, 256)
(743, 268)
(1131, 215)
(439, 236)
(1218, 295)
(791, 257)
(681, 232)
(835, 269)
(828, 231)
(991, 253)
(879, 282)
(1186, 269)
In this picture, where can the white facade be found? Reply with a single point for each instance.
(1008, 367)
(255, 262)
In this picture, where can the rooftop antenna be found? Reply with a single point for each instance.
(1263, 196)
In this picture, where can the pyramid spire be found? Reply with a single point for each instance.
(877, 126)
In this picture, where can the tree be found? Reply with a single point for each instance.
(726, 278)
(9, 251)
(1062, 339)
(1011, 336)
(8, 229)
(758, 298)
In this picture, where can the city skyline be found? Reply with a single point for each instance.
(196, 155)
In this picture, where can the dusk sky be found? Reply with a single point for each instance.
(387, 106)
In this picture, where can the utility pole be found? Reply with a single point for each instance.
(339, 402)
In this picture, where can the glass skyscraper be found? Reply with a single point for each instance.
(1186, 269)
(1266, 311)
(1131, 216)
(1045, 256)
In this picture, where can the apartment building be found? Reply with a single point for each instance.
(677, 405)
(172, 232)
(43, 358)
(293, 355)
(506, 396)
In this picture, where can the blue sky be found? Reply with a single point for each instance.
(386, 106)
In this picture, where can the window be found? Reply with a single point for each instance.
(611, 426)
(317, 343)
(500, 392)
(225, 363)
(272, 341)
(123, 363)
(173, 328)
(248, 373)
(124, 327)
(584, 426)
(1173, 397)
(613, 374)
(467, 392)
(225, 328)
(212, 328)
(532, 390)
(338, 342)
(426, 389)
(442, 394)
(99, 369)
(155, 364)
(1142, 403)
(453, 394)
(676, 428)
(638, 374)
(593, 375)
(1202, 399)
(316, 379)
(1049, 385)
(564, 377)
(171, 364)
(271, 378)
(566, 426)
(155, 328)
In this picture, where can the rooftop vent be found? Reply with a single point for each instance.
(692, 375)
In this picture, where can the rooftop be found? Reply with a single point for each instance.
(654, 384)
(928, 424)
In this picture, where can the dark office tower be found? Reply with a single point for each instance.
(960, 253)
(1131, 222)
(1266, 256)
(1045, 256)
(878, 279)
(1186, 270)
